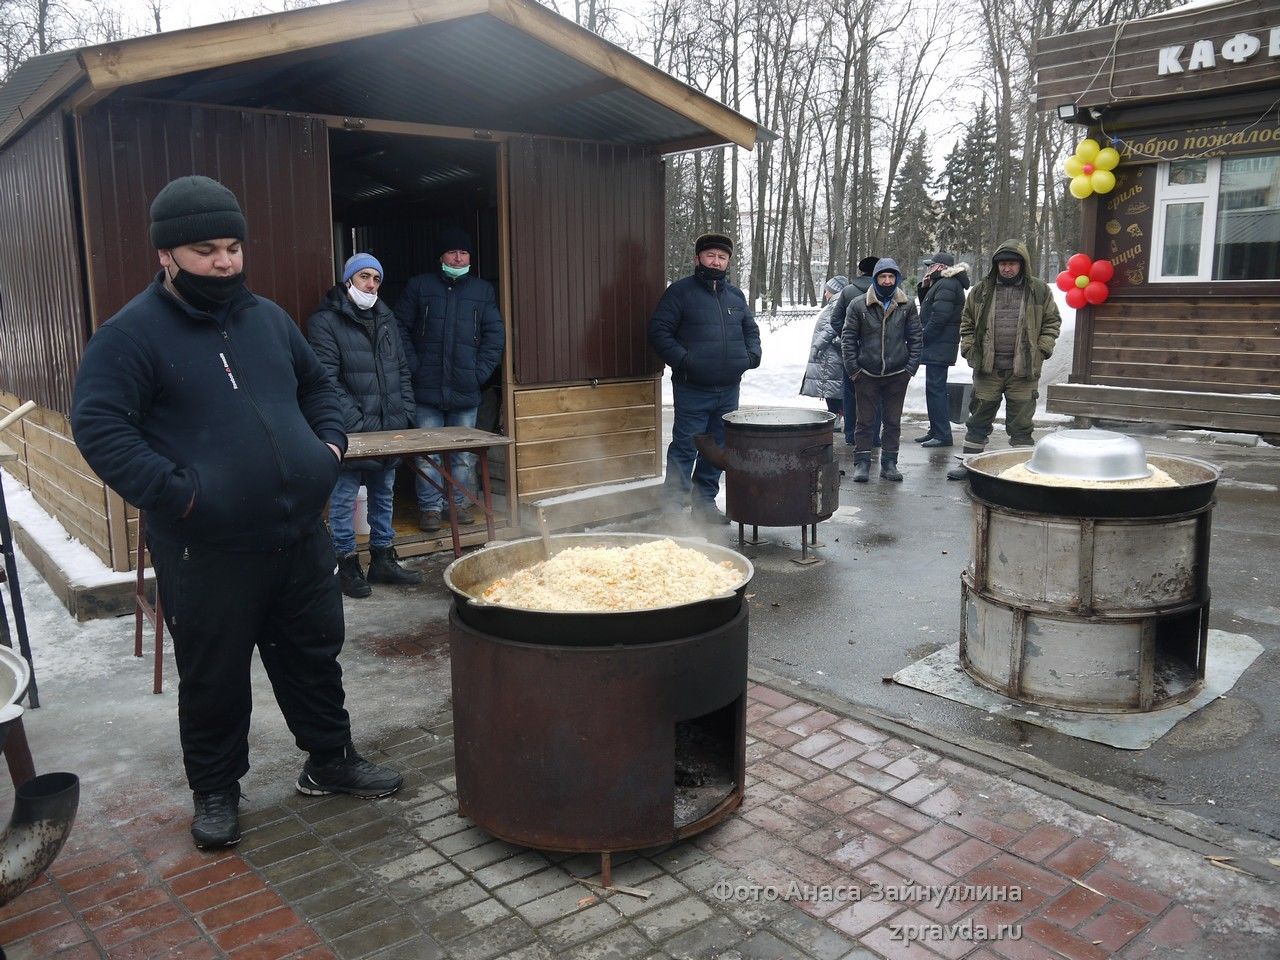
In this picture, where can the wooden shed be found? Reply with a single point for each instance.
(1191, 100)
(361, 125)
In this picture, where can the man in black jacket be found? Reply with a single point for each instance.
(857, 287)
(202, 404)
(703, 329)
(357, 341)
(941, 294)
(453, 339)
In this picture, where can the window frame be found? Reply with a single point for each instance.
(1208, 194)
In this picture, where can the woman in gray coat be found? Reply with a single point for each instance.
(824, 374)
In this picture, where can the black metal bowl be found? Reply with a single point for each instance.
(468, 576)
(778, 419)
(1196, 482)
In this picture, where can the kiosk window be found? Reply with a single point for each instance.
(1217, 219)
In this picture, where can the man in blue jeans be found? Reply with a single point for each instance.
(453, 339)
(941, 294)
(703, 329)
(355, 338)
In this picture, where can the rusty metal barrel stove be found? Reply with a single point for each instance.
(586, 731)
(780, 469)
(1088, 598)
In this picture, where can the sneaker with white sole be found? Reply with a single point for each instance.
(351, 774)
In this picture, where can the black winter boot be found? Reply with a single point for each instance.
(960, 471)
(352, 577)
(861, 467)
(889, 466)
(383, 568)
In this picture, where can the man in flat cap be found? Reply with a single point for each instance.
(1008, 329)
(203, 405)
(703, 329)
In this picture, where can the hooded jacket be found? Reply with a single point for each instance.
(1037, 329)
(362, 353)
(453, 338)
(880, 340)
(824, 373)
(704, 331)
(174, 408)
(940, 309)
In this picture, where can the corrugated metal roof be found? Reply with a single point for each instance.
(476, 72)
(28, 78)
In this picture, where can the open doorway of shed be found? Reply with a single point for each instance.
(393, 195)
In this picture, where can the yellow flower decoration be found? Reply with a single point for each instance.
(1090, 168)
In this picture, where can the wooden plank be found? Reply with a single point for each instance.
(58, 447)
(1178, 397)
(89, 491)
(1259, 381)
(123, 557)
(581, 449)
(585, 47)
(162, 55)
(564, 425)
(78, 520)
(1182, 329)
(505, 298)
(1223, 364)
(571, 399)
(562, 476)
(1214, 419)
(1225, 344)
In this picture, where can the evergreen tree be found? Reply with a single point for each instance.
(912, 222)
(967, 184)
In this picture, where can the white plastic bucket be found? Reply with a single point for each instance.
(361, 516)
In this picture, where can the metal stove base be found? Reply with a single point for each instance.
(1229, 655)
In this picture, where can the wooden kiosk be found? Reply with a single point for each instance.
(1191, 100)
(361, 125)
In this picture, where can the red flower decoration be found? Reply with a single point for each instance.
(1085, 281)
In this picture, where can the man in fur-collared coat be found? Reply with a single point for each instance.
(941, 294)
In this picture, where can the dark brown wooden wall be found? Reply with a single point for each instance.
(1220, 344)
(586, 259)
(42, 310)
(1110, 64)
(277, 165)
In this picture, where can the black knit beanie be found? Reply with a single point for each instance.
(866, 265)
(454, 238)
(192, 209)
(713, 241)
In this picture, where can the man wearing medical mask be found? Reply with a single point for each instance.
(203, 405)
(453, 339)
(357, 341)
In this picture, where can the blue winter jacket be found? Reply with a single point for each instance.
(453, 338)
(175, 409)
(704, 331)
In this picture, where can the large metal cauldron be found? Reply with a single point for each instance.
(571, 729)
(1087, 598)
(780, 467)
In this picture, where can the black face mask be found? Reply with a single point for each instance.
(708, 273)
(1011, 281)
(884, 293)
(210, 294)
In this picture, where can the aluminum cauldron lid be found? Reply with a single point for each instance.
(1090, 455)
(779, 418)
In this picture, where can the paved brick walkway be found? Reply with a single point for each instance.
(850, 844)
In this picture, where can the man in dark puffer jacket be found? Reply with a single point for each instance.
(203, 405)
(357, 340)
(453, 338)
(703, 329)
(941, 294)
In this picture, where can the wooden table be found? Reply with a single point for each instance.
(411, 444)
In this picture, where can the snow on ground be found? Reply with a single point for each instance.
(785, 343)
